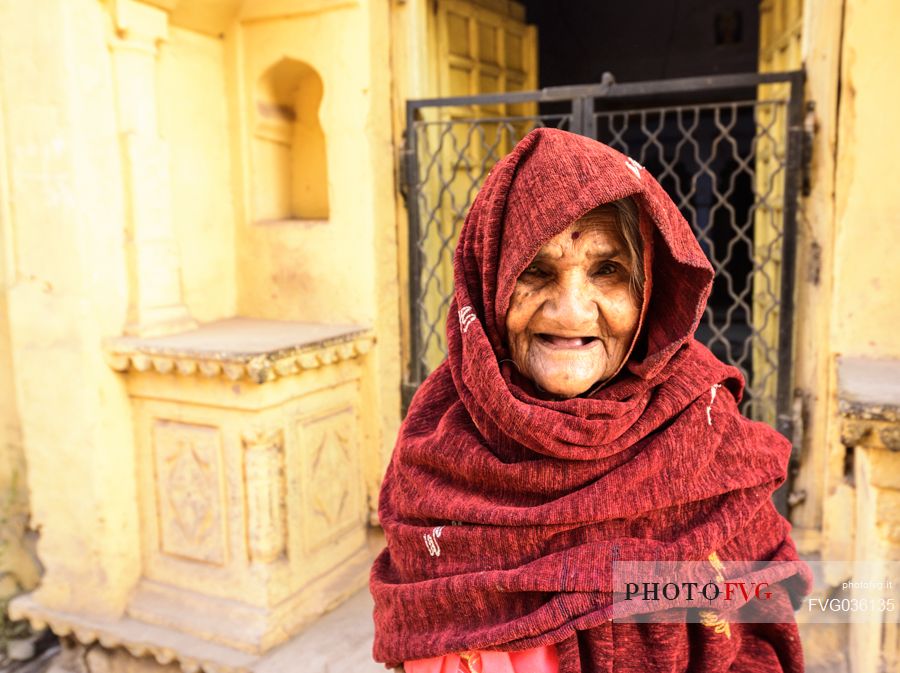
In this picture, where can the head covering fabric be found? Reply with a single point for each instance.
(503, 510)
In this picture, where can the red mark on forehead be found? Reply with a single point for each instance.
(575, 234)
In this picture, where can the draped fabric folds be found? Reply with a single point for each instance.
(504, 510)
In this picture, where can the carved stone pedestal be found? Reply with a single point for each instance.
(869, 399)
(251, 453)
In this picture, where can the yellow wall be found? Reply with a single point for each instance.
(342, 269)
(813, 361)
(867, 200)
(116, 115)
(65, 291)
(18, 570)
(194, 122)
(848, 282)
(314, 268)
(860, 278)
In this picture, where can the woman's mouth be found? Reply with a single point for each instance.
(559, 342)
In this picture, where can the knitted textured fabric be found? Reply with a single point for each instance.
(503, 510)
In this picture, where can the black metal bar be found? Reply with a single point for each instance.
(793, 158)
(407, 390)
(411, 163)
(577, 116)
(696, 84)
(784, 402)
(588, 120)
(626, 90)
(477, 119)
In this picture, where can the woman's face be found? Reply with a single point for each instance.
(572, 315)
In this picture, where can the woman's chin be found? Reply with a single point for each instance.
(565, 372)
(564, 384)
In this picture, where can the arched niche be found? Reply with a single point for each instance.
(290, 180)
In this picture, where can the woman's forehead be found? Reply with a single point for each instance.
(586, 234)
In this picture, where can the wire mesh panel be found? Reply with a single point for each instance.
(732, 167)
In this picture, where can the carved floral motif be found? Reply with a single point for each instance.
(329, 446)
(189, 488)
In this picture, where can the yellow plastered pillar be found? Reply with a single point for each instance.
(858, 261)
(155, 301)
(18, 568)
(867, 217)
(821, 47)
(65, 270)
(382, 382)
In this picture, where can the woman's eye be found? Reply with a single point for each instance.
(606, 269)
(534, 270)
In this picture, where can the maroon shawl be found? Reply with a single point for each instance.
(503, 510)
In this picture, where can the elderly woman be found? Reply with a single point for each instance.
(576, 422)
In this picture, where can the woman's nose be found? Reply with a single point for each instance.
(571, 304)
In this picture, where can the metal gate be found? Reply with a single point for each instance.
(727, 149)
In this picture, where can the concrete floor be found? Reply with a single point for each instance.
(338, 642)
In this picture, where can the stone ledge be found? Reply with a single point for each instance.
(238, 348)
(856, 431)
(140, 639)
(869, 402)
(339, 639)
(869, 389)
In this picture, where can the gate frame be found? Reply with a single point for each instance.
(584, 123)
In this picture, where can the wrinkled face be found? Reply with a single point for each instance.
(572, 315)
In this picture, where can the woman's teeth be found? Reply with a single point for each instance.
(566, 342)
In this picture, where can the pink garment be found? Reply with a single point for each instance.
(536, 660)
